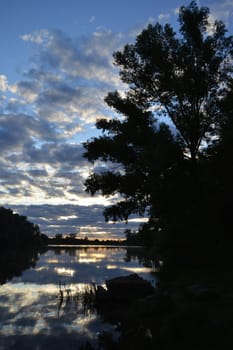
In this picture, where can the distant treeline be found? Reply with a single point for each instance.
(71, 239)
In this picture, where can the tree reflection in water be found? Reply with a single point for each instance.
(14, 261)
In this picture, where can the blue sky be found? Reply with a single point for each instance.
(56, 68)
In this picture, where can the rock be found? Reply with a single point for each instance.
(102, 295)
(129, 287)
(201, 292)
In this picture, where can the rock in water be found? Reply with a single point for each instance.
(129, 287)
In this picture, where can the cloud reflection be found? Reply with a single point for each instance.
(31, 308)
(64, 272)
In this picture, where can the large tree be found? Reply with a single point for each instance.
(182, 76)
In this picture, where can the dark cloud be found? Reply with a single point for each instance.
(81, 57)
(38, 173)
(59, 94)
(14, 130)
(28, 87)
(17, 132)
(55, 153)
(73, 154)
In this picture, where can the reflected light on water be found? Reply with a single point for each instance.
(52, 261)
(137, 269)
(87, 260)
(90, 257)
(42, 268)
(111, 267)
(64, 271)
(131, 269)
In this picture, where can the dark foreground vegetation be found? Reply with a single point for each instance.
(180, 175)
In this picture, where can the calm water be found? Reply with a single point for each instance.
(32, 315)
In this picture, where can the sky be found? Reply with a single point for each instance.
(56, 68)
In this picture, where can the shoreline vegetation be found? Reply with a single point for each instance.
(71, 241)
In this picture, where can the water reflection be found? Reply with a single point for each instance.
(45, 303)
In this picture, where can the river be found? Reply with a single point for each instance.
(34, 316)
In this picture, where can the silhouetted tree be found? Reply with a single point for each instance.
(166, 174)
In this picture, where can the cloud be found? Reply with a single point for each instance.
(37, 37)
(20, 132)
(88, 58)
(92, 19)
(15, 130)
(28, 90)
(176, 11)
(3, 83)
(69, 77)
(164, 16)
